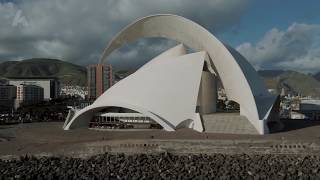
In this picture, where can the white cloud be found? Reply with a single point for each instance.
(139, 52)
(297, 48)
(78, 30)
(52, 49)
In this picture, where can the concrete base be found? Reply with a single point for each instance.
(228, 123)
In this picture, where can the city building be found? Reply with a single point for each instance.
(308, 109)
(51, 86)
(168, 89)
(108, 79)
(28, 94)
(99, 78)
(79, 91)
(8, 94)
(283, 92)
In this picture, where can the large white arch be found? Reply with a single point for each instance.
(241, 82)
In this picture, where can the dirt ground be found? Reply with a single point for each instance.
(49, 136)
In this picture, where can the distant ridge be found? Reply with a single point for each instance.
(68, 73)
(292, 81)
(270, 73)
(71, 74)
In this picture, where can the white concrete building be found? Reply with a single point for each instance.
(175, 88)
(51, 86)
(308, 109)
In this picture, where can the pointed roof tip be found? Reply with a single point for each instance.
(177, 50)
(181, 45)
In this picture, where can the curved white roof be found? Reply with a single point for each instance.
(241, 82)
(165, 89)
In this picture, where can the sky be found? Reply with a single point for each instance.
(271, 34)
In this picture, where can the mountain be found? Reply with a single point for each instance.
(69, 74)
(293, 82)
(317, 76)
(121, 74)
(270, 73)
(5, 66)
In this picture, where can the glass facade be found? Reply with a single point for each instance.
(91, 82)
(100, 78)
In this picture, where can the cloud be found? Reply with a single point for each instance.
(296, 48)
(78, 30)
(135, 54)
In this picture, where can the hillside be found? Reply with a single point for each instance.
(69, 74)
(317, 76)
(291, 81)
(270, 73)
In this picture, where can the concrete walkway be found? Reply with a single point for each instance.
(229, 123)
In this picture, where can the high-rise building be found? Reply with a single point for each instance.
(29, 94)
(108, 77)
(8, 94)
(100, 78)
(91, 81)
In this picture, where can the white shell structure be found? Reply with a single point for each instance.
(166, 88)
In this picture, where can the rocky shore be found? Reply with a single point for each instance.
(163, 166)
